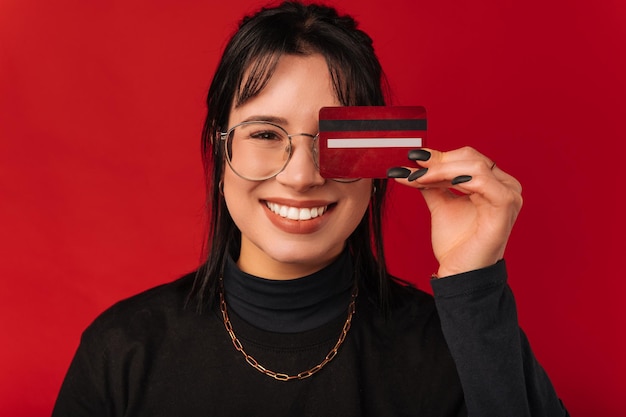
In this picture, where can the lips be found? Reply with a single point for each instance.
(298, 217)
(296, 213)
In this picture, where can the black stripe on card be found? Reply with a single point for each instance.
(369, 124)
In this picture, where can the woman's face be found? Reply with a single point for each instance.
(274, 246)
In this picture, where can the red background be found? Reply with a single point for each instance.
(101, 190)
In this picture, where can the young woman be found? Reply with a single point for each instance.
(293, 312)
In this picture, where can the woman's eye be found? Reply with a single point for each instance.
(266, 135)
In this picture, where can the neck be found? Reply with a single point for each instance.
(291, 305)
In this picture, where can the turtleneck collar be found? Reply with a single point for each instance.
(290, 306)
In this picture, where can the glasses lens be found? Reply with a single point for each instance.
(257, 150)
(260, 150)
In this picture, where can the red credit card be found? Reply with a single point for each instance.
(365, 141)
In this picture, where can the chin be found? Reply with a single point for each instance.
(296, 254)
(292, 260)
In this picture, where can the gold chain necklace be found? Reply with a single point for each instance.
(278, 375)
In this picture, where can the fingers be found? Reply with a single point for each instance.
(398, 172)
(465, 170)
(451, 168)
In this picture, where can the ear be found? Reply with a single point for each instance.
(216, 141)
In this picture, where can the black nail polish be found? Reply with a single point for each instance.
(398, 172)
(461, 179)
(419, 155)
(416, 174)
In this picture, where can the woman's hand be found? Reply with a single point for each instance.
(470, 227)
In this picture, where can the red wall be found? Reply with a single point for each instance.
(101, 106)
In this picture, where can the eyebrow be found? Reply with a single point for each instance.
(266, 118)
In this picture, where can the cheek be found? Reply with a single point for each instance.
(235, 191)
(360, 198)
(363, 192)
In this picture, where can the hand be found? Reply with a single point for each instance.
(470, 227)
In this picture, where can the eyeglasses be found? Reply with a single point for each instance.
(258, 150)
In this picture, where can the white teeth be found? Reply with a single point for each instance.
(295, 213)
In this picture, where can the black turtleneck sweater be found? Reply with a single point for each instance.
(461, 353)
(290, 306)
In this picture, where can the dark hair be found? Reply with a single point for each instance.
(291, 28)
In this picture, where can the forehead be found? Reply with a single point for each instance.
(298, 86)
(263, 69)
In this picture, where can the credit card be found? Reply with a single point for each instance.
(365, 141)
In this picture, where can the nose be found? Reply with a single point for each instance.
(301, 173)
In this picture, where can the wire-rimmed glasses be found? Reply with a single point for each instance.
(259, 150)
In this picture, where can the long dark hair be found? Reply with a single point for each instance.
(254, 50)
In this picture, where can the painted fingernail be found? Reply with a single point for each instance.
(419, 155)
(398, 172)
(416, 174)
(461, 179)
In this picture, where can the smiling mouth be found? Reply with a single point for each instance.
(296, 213)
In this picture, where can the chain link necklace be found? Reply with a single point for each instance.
(279, 376)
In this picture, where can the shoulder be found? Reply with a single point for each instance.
(405, 294)
(408, 307)
(413, 307)
(144, 315)
(409, 340)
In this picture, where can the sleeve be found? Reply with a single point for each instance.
(499, 374)
(81, 394)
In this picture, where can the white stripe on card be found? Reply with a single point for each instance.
(374, 143)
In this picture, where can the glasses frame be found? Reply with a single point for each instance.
(225, 135)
